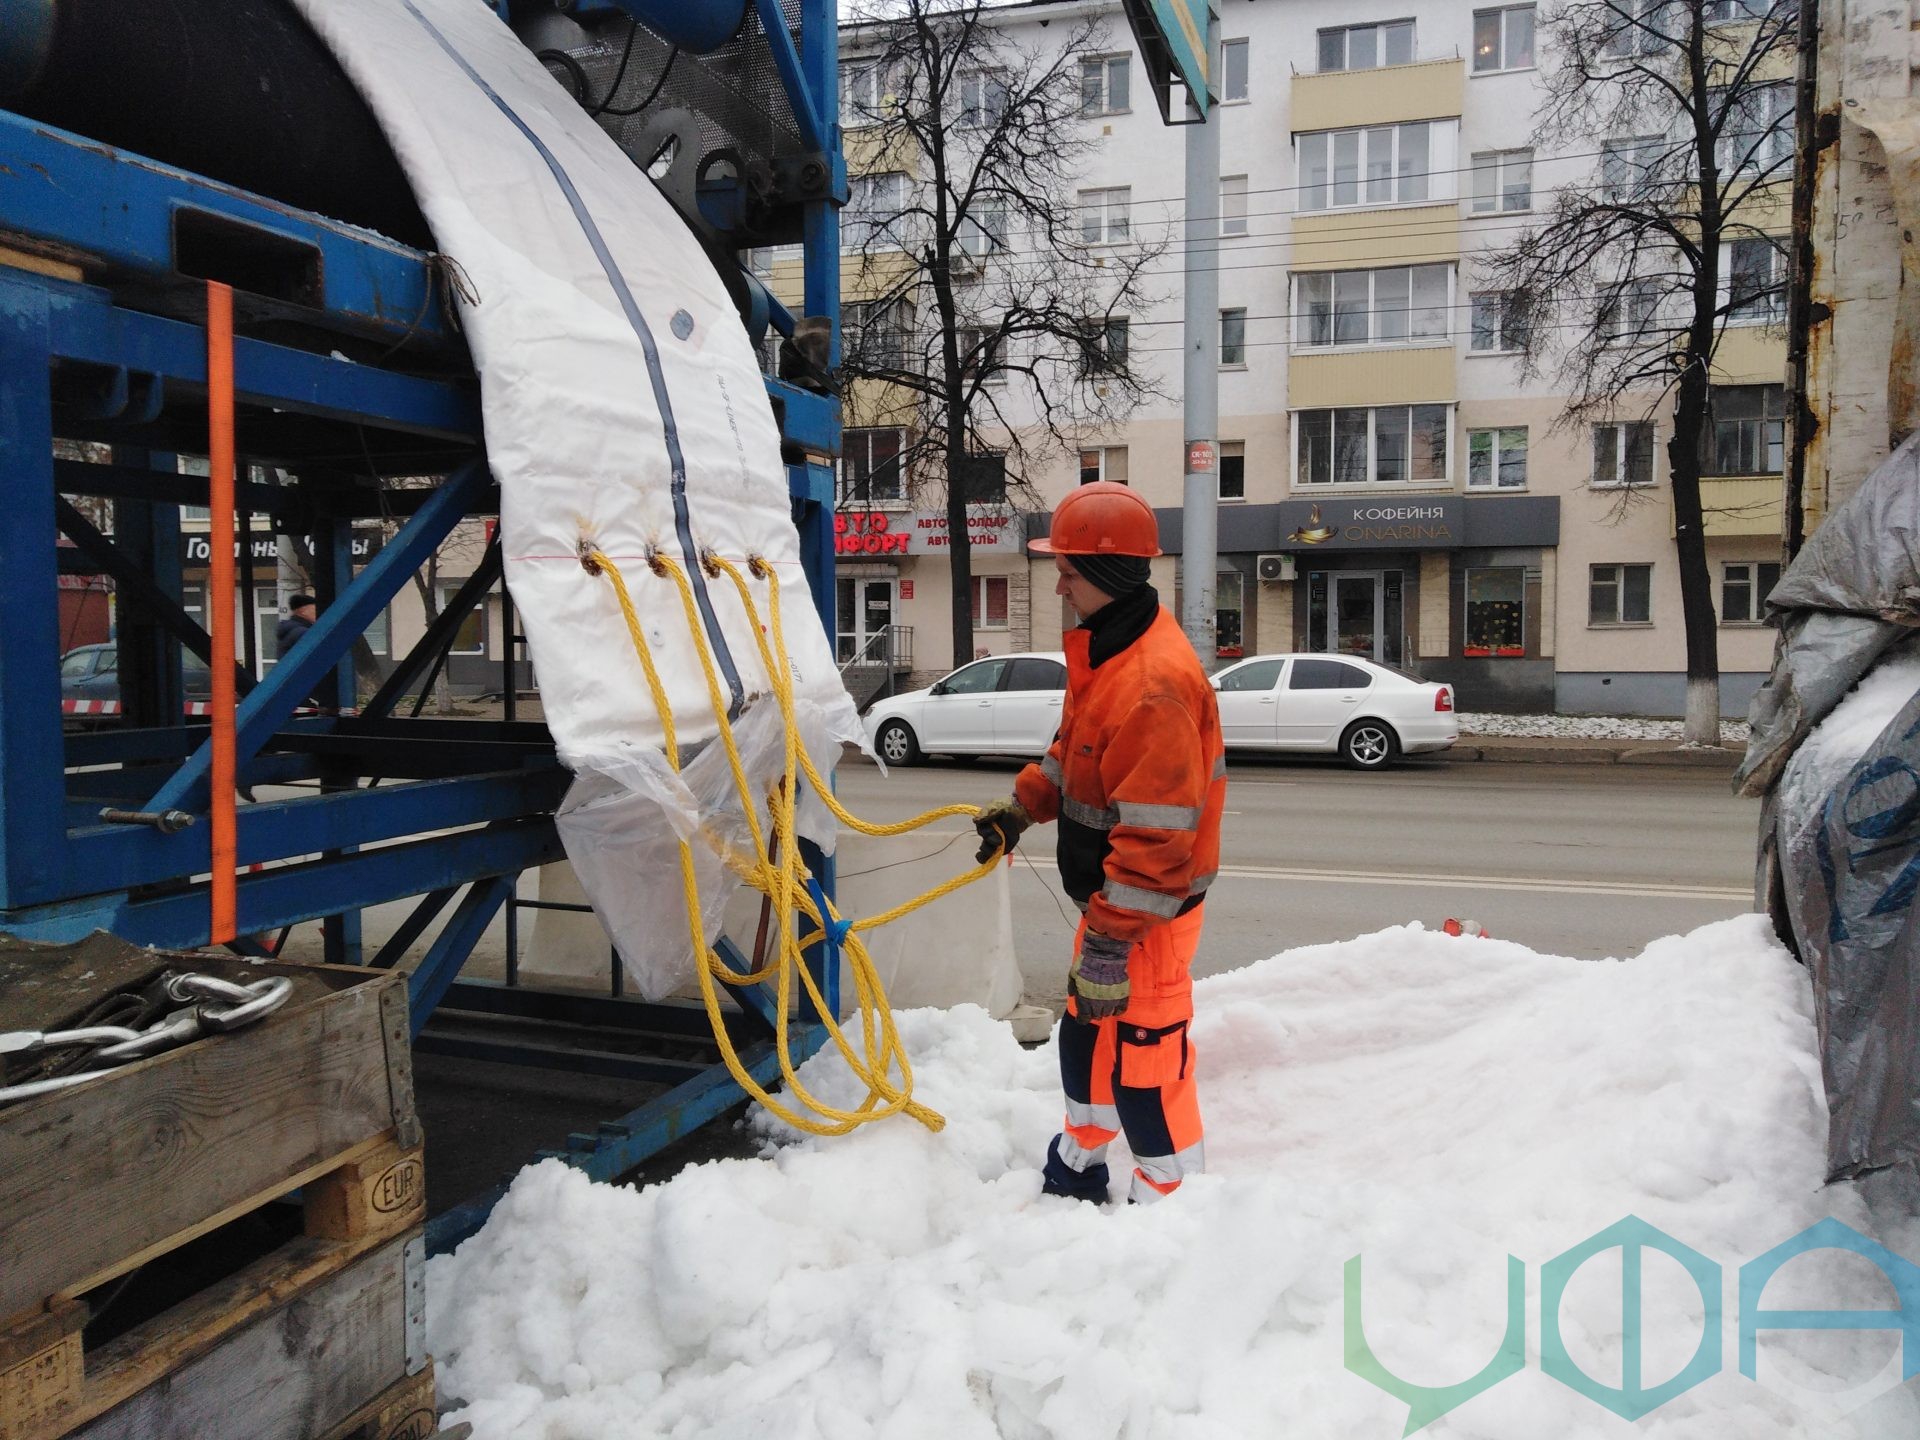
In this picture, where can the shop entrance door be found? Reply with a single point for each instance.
(1357, 613)
(865, 610)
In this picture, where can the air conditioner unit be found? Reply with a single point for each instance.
(1275, 568)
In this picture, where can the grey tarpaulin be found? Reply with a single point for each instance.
(1843, 873)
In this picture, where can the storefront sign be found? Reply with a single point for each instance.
(196, 550)
(991, 530)
(869, 532)
(1427, 523)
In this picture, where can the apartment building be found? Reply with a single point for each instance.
(1391, 483)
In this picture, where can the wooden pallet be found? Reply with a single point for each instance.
(193, 1148)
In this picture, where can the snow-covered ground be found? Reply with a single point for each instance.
(1590, 727)
(1430, 1104)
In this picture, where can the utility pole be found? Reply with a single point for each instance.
(1200, 522)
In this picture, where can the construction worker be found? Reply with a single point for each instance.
(1137, 779)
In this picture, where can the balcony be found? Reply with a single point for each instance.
(1411, 374)
(1342, 99)
(1742, 506)
(1349, 239)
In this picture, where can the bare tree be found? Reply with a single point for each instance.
(1625, 291)
(996, 317)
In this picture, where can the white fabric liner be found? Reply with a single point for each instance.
(580, 444)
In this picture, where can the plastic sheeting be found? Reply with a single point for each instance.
(1836, 750)
(624, 411)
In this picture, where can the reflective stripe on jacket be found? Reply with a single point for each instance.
(1137, 777)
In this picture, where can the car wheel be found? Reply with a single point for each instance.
(1369, 745)
(896, 743)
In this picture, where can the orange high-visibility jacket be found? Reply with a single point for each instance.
(1137, 777)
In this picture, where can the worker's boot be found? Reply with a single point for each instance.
(1062, 1179)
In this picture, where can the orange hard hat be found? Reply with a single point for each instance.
(1104, 518)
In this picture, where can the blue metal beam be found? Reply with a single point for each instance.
(119, 209)
(332, 635)
(443, 961)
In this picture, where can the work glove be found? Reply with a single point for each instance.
(1099, 976)
(1000, 825)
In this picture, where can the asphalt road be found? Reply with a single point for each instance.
(1588, 861)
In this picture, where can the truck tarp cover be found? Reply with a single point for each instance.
(1840, 767)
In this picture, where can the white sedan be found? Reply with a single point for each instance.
(1005, 705)
(1366, 713)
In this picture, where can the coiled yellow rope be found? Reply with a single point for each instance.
(784, 880)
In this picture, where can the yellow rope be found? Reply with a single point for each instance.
(783, 880)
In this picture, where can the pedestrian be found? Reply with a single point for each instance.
(301, 613)
(1137, 779)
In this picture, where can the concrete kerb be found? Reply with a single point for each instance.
(1547, 751)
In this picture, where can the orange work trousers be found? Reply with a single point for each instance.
(1134, 1073)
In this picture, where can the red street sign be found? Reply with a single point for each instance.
(906, 589)
(1199, 457)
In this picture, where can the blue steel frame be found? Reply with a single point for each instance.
(449, 804)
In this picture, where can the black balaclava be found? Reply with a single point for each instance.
(1117, 575)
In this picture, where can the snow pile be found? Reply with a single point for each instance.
(1429, 1103)
(1589, 727)
(1837, 742)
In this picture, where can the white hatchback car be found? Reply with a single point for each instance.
(1004, 705)
(1366, 713)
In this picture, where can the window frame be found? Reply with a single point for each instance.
(856, 112)
(1499, 162)
(1761, 444)
(1116, 217)
(1510, 322)
(1230, 450)
(1498, 447)
(1103, 464)
(1618, 582)
(477, 616)
(982, 606)
(1621, 450)
(1777, 135)
(1774, 296)
(1756, 605)
(1241, 45)
(1237, 647)
(1303, 317)
(1346, 33)
(1253, 667)
(1106, 63)
(1631, 309)
(1490, 652)
(1502, 65)
(1228, 313)
(857, 323)
(1099, 355)
(990, 364)
(866, 221)
(1441, 181)
(863, 436)
(1625, 150)
(1233, 207)
(1372, 481)
(972, 113)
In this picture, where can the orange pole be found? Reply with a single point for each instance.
(225, 831)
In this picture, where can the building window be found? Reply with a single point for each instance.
(1629, 311)
(1746, 430)
(1104, 463)
(1499, 322)
(1105, 215)
(1103, 346)
(1638, 27)
(1503, 39)
(1233, 204)
(1367, 47)
(872, 211)
(1623, 454)
(875, 333)
(1233, 71)
(1502, 180)
(1629, 165)
(1723, 12)
(1378, 165)
(980, 354)
(471, 638)
(1756, 272)
(1229, 611)
(983, 477)
(1620, 595)
(1233, 469)
(1756, 131)
(872, 467)
(983, 228)
(1233, 336)
(1744, 587)
(1496, 612)
(989, 602)
(983, 100)
(1497, 459)
(1387, 445)
(1103, 84)
(866, 88)
(1401, 306)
